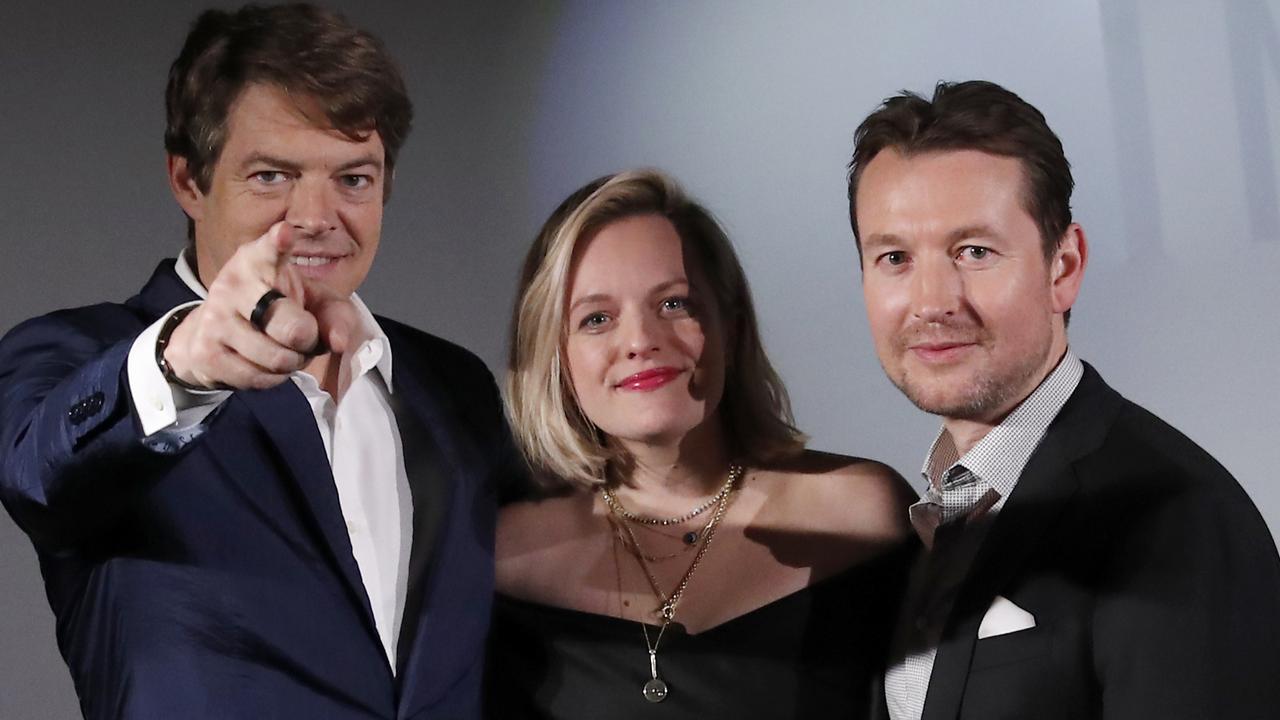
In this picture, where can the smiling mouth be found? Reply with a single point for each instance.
(647, 380)
(313, 260)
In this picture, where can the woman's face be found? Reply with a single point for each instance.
(646, 343)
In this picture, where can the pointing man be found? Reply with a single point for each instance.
(250, 497)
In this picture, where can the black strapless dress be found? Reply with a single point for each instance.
(813, 654)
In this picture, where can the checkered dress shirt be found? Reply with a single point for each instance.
(955, 485)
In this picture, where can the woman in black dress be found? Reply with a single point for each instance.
(686, 557)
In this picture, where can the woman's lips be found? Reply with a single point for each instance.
(651, 379)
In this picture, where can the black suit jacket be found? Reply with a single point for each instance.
(1154, 583)
(218, 581)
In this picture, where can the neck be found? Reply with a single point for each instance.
(967, 432)
(325, 369)
(692, 467)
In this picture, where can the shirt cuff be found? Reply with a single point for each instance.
(161, 405)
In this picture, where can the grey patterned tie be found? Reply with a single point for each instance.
(961, 497)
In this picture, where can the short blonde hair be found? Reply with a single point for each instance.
(563, 447)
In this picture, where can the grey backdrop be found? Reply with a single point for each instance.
(1170, 113)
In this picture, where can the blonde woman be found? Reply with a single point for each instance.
(687, 556)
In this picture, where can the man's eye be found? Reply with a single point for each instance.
(269, 177)
(356, 182)
(975, 252)
(896, 257)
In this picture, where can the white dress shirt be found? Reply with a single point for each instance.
(361, 440)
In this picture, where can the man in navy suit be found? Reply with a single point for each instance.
(1085, 559)
(241, 505)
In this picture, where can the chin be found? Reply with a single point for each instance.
(656, 432)
(939, 395)
(971, 399)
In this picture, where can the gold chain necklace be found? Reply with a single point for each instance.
(689, 540)
(656, 689)
(615, 506)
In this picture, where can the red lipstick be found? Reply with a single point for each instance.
(650, 379)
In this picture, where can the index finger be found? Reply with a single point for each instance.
(271, 250)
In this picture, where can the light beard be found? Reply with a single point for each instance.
(992, 393)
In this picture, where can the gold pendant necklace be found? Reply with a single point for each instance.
(656, 689)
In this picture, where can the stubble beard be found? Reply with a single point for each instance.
(988, 392)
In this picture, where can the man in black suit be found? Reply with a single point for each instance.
(242, 507)
(1084, 558)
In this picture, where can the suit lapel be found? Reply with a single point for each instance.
(433, 467)
(1043, 492)
(429, 488)
(289, 423)
(163, 291)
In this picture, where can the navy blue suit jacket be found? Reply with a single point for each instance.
(218, 581)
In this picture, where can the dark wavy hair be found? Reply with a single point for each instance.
(308, 52)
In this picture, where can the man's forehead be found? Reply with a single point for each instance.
(264, 112)
(954, 180)
(944, 160)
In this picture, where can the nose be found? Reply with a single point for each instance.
(641, 337)
(936, 291)
(311, 210)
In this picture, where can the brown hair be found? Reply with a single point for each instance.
(973, 115)
(562, 445)
(306, 51)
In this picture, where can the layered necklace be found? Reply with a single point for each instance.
(624, 522)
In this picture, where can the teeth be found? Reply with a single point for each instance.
(307, 260)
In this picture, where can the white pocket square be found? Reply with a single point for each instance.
(1003, 617)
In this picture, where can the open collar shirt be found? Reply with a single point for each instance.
(994, 463)
(361, 439)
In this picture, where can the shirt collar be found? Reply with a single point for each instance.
(373, 349)
(1000, 457)
(188, 275)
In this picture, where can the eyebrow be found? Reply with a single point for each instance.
(971, 231)
(265, 159)
(963, 233)
(601, 297)
(361, 162)
(879, 239)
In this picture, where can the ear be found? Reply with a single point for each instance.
(182, 183)
(1066, 270)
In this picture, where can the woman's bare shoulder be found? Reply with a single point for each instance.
(536, 537)
(848, 495)
(531, 526)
